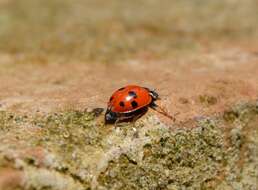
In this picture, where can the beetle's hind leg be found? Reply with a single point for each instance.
(132, 117)
(122, 119)
(162, 111)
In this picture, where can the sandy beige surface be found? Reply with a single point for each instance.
(204, 83)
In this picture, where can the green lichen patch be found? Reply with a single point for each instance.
(64, 139)
(241, 113)
(186, 158)
(206, 157)
(71, 137)
(208, 100)
(75, 150)
(7, 120)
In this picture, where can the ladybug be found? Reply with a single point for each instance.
(130, 102)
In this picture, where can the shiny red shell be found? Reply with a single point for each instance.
(129, 99)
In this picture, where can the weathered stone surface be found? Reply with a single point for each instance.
(73, 150)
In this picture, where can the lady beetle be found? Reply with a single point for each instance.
(129, 102)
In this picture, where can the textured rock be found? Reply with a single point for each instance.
(74, 150)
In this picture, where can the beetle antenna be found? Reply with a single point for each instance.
(162, 111)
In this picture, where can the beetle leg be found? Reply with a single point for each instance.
(153, 105)
(162, 111)
(116, 122)
(121, 119)
(136, 117)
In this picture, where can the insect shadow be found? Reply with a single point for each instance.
(127, 117)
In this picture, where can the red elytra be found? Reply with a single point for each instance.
(128, 102)
(129, 99)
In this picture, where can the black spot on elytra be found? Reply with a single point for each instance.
(121, 89)
(122, 104)
(132, 94)
(134, 104)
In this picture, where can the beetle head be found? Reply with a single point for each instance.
(110, 117)
(154, 95)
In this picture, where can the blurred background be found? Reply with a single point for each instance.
(109, 31)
